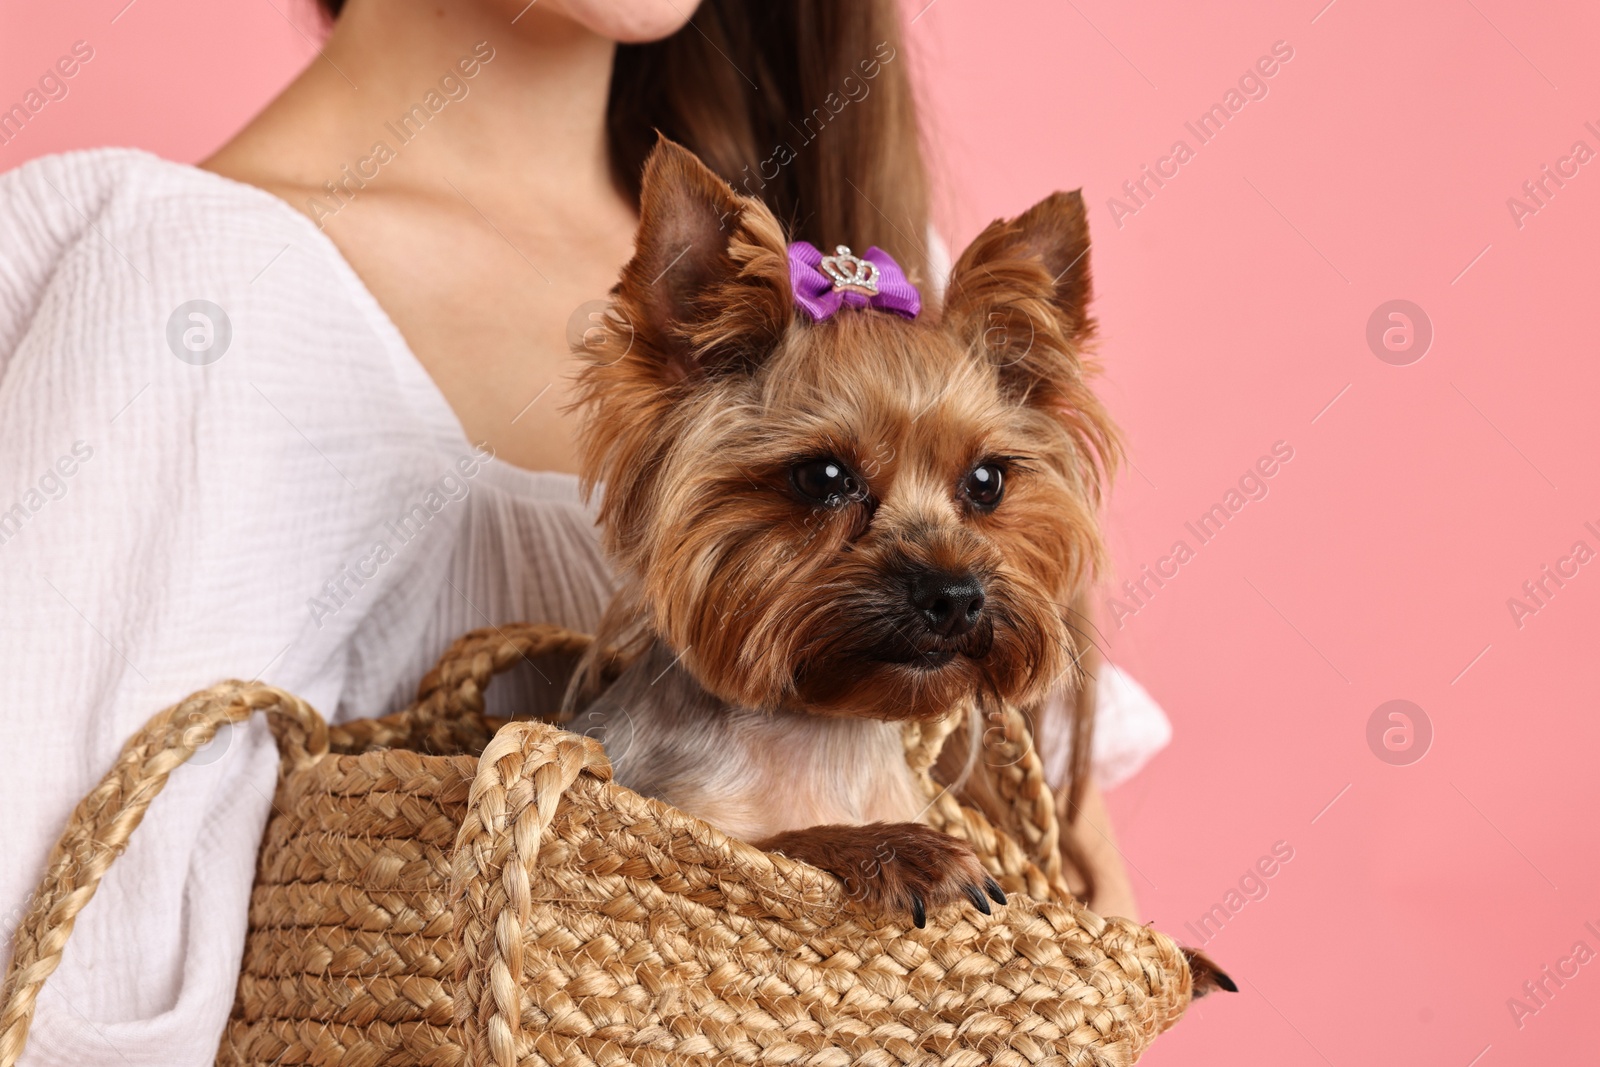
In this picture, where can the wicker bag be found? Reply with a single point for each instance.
(434, 890)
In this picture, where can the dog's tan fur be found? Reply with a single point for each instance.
(771, 653)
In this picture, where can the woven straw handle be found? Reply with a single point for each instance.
(521, 777)
(101, 824)
(448, 715)
(1024, 805)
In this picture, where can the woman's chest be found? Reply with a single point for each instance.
(491, 311)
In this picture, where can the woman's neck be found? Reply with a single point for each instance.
(527, 127)
(457, 159)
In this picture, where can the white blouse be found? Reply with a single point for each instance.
(278, 491)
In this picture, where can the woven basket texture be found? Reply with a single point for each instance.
(437, 887)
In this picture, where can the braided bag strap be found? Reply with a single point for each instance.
(100, 826)
(996, 783)
(1026, 806)
(521, 777)
(448, 714)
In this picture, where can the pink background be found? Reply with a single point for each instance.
(1234, 306)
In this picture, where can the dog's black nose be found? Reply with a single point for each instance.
(948, 604)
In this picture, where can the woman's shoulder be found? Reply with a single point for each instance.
(54, 202)
(137, 291)
(116, 256)
(102, 221)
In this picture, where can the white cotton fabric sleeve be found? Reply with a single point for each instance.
(163, 525)
(1129, 727)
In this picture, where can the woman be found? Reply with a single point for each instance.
(249, 409)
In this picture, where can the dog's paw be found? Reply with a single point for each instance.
(899, 866)
(1208, 977)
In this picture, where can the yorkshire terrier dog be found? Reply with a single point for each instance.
(830, 512)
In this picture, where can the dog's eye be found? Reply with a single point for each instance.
(984, 486)
(825, 481)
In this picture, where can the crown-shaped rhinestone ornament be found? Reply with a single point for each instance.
(851, 273)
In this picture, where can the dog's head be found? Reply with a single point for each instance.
(862, 515)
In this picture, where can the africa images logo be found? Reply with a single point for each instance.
(1207, 127)
(199, 332)
(453, 86)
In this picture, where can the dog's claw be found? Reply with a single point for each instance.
(1208, 977)
(979, 901)
(888, 869)
(996, 894)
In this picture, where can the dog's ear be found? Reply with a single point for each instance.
(1019, 299)
(707, 289)
(705, 298)
(1020, 295)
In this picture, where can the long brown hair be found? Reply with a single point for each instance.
(808, 105)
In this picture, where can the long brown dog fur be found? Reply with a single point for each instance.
(773, 648)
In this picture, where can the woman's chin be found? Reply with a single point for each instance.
(627, 21)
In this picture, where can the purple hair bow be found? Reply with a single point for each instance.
(824, 284)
